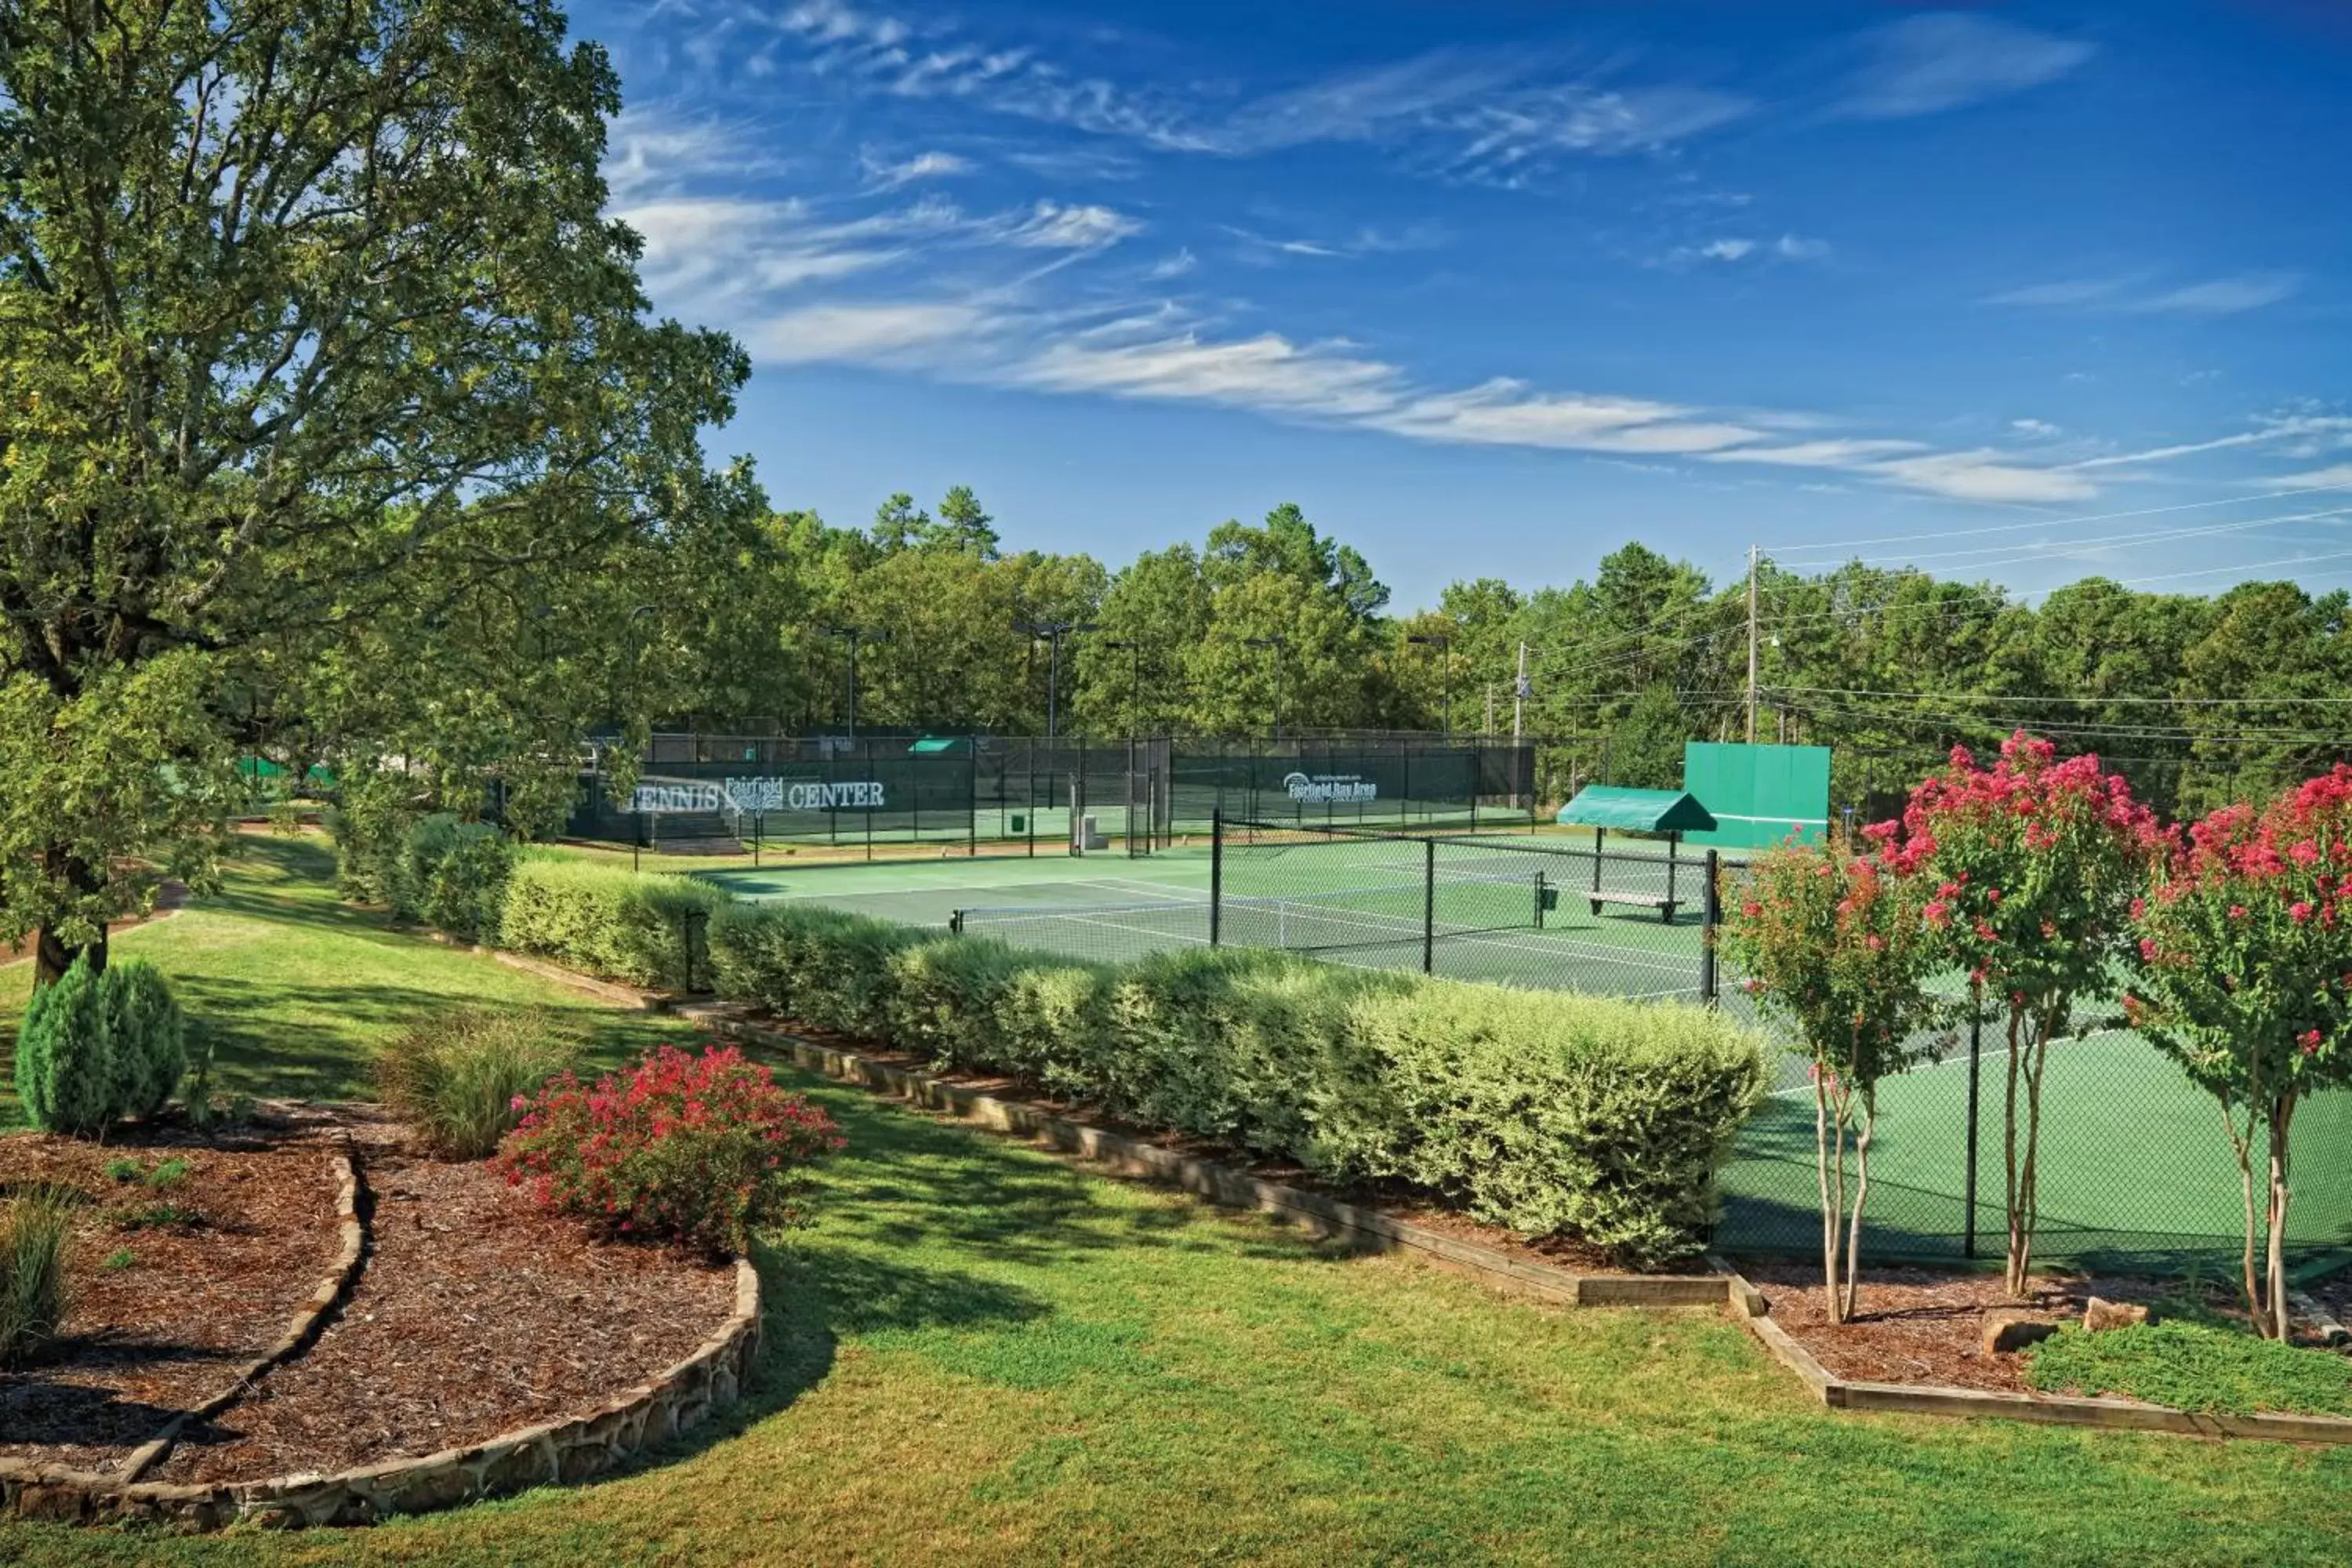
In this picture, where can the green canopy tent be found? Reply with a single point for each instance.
(1671, 812)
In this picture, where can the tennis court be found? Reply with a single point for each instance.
(2136, 1168)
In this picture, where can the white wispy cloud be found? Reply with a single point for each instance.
(883, 334)
(1051, 228)
(2036, 430)
(1946, 59)
(2336, 474)
(883, 174)
(1984, 476)
(1726, 249)
(1175, 266)
(2214, 297)
(2224, 296)
(1740, 248)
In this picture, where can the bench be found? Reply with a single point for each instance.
(1600, 896)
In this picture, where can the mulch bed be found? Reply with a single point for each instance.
(198, 1300)
(476, 1314)
(1924, 1325)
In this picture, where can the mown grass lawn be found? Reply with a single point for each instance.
(979, 1354)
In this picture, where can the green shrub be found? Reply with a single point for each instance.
(95, 1049)
(65, 1072)
(34, 1231)
(458, 1077)
(371, 824)
(641, 930)
(1542, 1112)
(146, 1035)
(1547, 1112)
(454, 876)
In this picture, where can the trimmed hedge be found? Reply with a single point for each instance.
(1543, 1112)
(640, 929)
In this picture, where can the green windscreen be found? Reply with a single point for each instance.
(1759, 795)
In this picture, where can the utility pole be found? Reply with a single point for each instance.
(1519, 694)
(1751, 644)
(853, 636)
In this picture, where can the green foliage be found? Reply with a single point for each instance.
(119, 1261)
(456, 875)
(95, 1049)
(371, 447)
(64, 1069)
(146, 1035)
(458, 1077)
(1539, 1110)
(2193, 1366)
(640, 929)
(36, 1228)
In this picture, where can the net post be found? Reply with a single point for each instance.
(1216, 874)
(972, 806)
(1429, 906)
(1540, 900)
(1713, 917)
(955, 922)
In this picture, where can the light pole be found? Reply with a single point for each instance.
(1052, 632)
(1278, 643)
(853, 636)
(1444, 647)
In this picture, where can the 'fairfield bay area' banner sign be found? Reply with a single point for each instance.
(1330, 789)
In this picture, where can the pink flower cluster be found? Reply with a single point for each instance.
(696, 1150)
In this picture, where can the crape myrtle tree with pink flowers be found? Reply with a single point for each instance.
(2243, 974)
(1831, 942)
(2032, 866)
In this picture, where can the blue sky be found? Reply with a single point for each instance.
(1491, 289)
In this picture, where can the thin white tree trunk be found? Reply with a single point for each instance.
(1830, 1214)
(1861, 1196)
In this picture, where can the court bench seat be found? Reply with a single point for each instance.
(1597, 896)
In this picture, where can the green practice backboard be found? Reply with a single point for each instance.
(1759, 795)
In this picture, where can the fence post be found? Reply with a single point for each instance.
(972, 806)
(1975, 1049)
(1712, 903)
(1217, 875)
(1429, 906)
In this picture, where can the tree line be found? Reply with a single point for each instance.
(1279, 625)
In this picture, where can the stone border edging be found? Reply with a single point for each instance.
(1207, 1178)
(54, 1491)
(676, 1399)
(1748, 1305)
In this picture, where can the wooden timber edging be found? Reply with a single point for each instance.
(1220, 1183)
(1750, 1306)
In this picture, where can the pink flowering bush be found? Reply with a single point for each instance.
(1832, 942)
(2243, 974)
(694, 1150)
(2031, 865)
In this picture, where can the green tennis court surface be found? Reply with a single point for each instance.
(2134, 1165)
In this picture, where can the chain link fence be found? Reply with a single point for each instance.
(2135, 1170)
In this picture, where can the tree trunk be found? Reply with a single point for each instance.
(1861, 1196)
(53, 955)
(2275, 1322)
(2245, 1147)
(2021, 1224)
(2009, 1161)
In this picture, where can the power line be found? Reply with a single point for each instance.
(2049, 522)
(2029, 697)
(2014, 557)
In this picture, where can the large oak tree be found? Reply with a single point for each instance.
(324, 375)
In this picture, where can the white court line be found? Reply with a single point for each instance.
(1167, 892)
